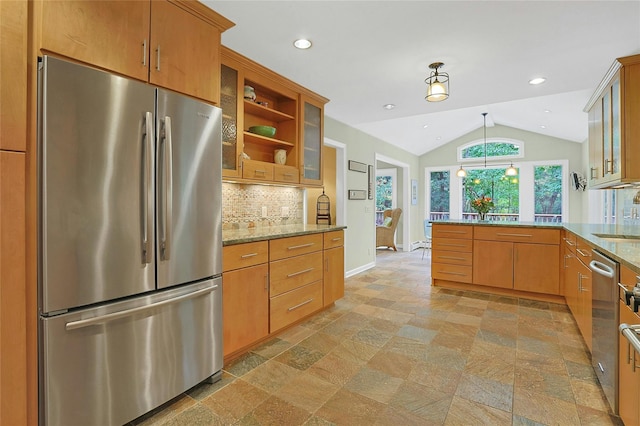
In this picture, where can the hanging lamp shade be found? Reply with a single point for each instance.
(461, 172)
(511, 171)
(437, 84)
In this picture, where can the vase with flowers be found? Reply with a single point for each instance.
(482, 205)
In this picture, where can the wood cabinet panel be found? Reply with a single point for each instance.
(257, 170)
(13, 316)
(333, 239)
(293, 305)
(333, 286)
(628, 374)
(452, 257)
(184, 52)
(458, 273)
(439, 230)
(288, 274)
(13, 78)
(293, 246)
(243, 255)
(493, 263)
(109, 35)
(282, 173)
(517, 234)
(245, 306)
(585, 288)
(452, 244)
(536, 268)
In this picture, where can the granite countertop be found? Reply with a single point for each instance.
(247, 235)
(624, 252)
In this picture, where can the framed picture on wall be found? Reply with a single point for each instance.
(414, 191)
(370, 183)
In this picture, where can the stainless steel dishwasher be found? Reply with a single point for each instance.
(604, 314)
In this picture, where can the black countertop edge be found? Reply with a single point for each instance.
(626, 253)
(240, 236)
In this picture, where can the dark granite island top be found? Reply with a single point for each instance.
(247, 235)
(624, 250)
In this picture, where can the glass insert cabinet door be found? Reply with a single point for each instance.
(229, 105)
(312, 138)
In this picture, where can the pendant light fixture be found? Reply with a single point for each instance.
(437, 84)
(510, 171)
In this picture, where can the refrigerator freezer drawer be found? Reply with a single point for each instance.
(111, 364)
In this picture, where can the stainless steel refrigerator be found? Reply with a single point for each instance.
(130, 242)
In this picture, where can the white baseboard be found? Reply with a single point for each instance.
(359, 269)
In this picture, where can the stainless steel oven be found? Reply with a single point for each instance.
(604, 314)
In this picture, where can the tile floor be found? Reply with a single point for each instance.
(395, 351)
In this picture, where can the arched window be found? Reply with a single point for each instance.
(497, 149)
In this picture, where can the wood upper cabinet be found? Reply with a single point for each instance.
(296, 113)
(13, 78)
(174, 44)
(614, 131)
(311, 141)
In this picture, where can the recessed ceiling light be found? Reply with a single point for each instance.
(438, 138)
(425, 126)
(302, 43)
(537, 80)
(547, 111)
(389, 106)
(543, 127)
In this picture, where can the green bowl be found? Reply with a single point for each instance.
(267, 131)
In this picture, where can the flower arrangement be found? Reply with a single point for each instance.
(482, 205)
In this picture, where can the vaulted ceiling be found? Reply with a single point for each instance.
(366, 54)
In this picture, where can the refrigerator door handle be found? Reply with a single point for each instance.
(73, 325)
(147, 199)
(167, 192)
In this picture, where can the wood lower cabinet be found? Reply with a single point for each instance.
(245, 295)
(451, 258)
(173, 44)
(296, 279)
(333, 286)
(519, 258)
(628, 373)
(296, 113)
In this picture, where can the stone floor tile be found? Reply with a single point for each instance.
(348, 408)
(544, 409)
(307, 391)
(374, 384)
(235, 401)
(465, 412)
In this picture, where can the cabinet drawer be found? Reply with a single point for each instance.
(452, 257)
(451, 231)
(282, 173)
(291, 273)
(242, 255)
(333, 239)
(459, 273)
(583, 251)
(517, 235)
(451, 244)
(293, 305)
(294, 246)
(569, 241)
(257, 170)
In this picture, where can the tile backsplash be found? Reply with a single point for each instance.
(242, 205)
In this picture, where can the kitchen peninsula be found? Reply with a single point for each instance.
(274, 277)
(493, 256)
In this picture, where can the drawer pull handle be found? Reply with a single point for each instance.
(300, 246)
(300, 272)
(569, 242)
(451, 257)
(336, 239)
(261, 171)
(451, 245)
(293, 308)
(582, 253)
(452, 273)
(452, 232)
(244, 256)
(288, 174)
(504, 234)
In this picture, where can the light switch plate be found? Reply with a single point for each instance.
(284, 211)
(264, 211)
